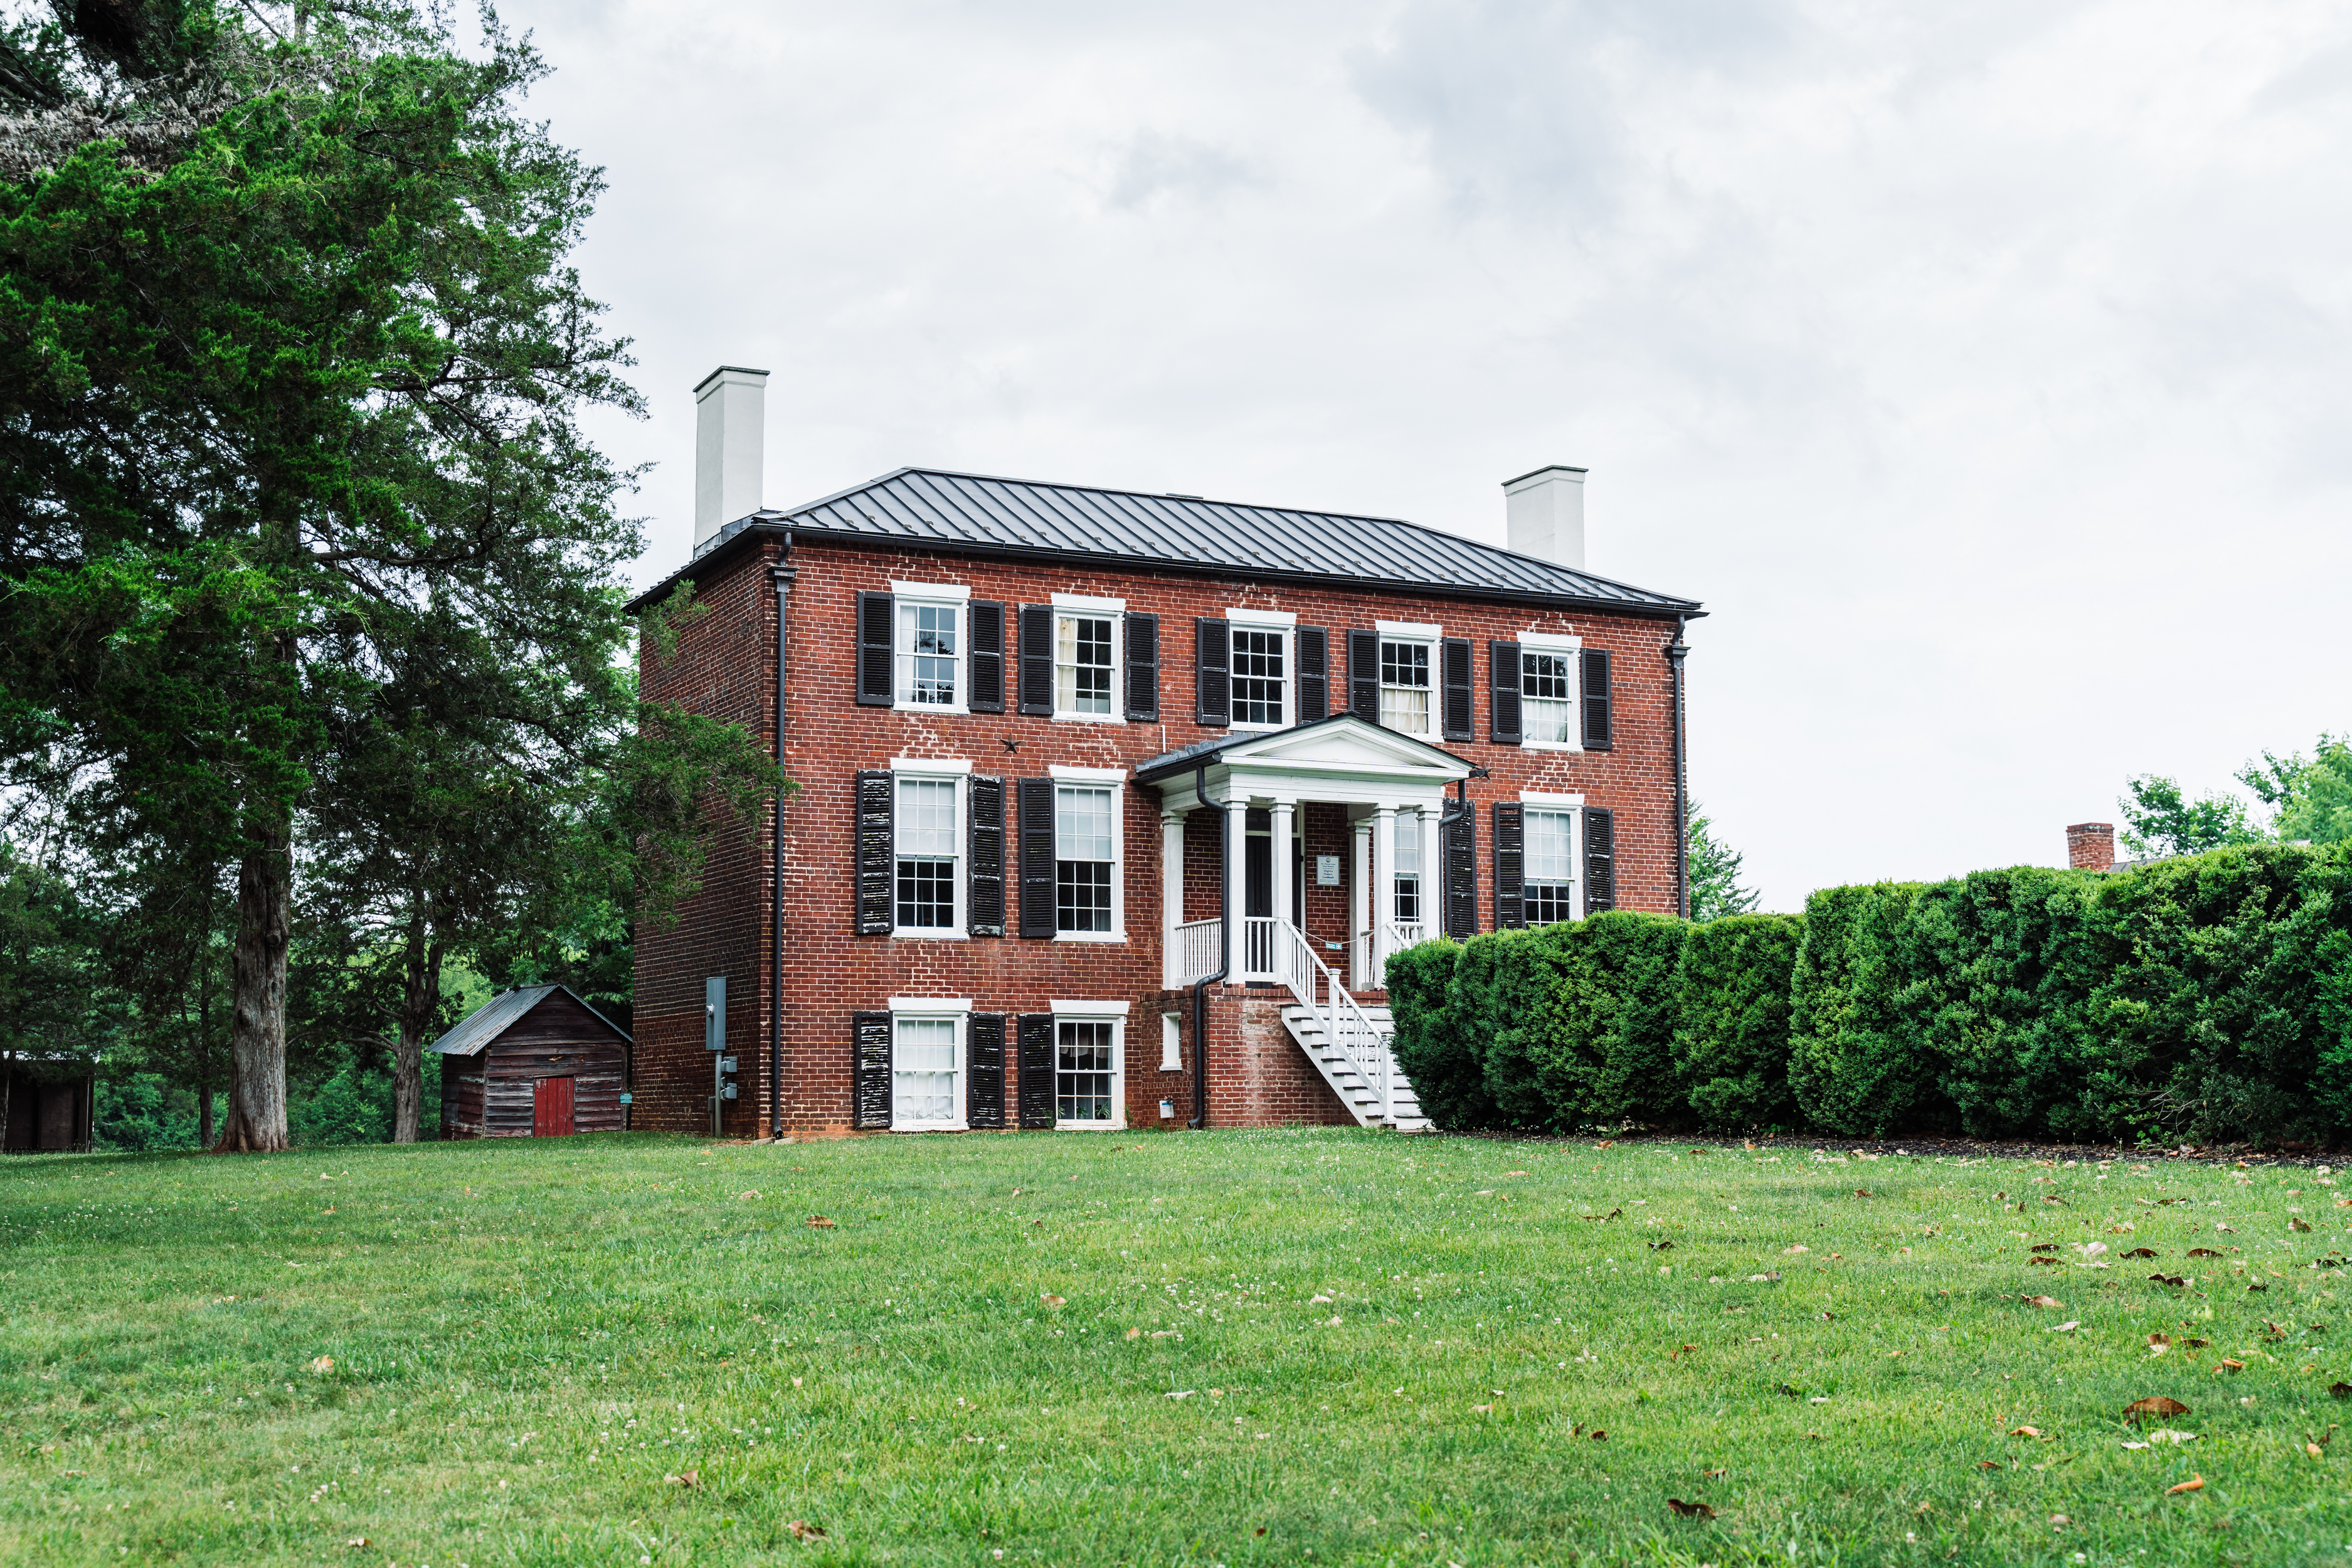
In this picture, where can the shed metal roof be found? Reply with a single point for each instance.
(501, 1012)
(938, 510)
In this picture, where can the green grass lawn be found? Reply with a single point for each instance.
(1229, 1348)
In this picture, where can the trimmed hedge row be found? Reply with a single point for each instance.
(2208, 997)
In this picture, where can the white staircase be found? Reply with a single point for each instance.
(1356, 1065)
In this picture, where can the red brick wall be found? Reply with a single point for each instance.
(831, 974)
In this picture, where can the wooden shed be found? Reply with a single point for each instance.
(45, 1103)
(535, 1062)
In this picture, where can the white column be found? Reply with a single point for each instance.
(1279, 852)
(1432, 876)
(1360, 907)
(1383, 886)
(1172, 897)
(1236, 883)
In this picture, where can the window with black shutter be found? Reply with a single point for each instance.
(1596, 699)
(986, 642)
(1364, 675)
(1211, 698)
(1458, 838)
(1510, 864)
(877, 685)
(1454, 661)
(1314, 674)
(877, 852)
(1036, 813)
(1600, 860)
(1036, 1082)
(869, 1099)
(1502, 678)
(1038, 659)
(1142, 667)
(984, 1069)
(984, 899)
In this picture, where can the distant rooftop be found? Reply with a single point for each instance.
(937, 510)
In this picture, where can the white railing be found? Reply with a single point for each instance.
(1195, 948)
(1368, 959)
(1294, 962)
(1259, 951)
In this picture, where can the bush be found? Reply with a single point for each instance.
(1731, 1034)
(1589, 1005)
(1852, 1067)
(1482, 1014)
(1448, 1077)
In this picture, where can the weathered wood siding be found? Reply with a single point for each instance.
(488, 1095)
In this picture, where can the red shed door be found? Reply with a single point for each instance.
(550, 1108)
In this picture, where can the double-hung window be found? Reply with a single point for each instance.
(1548, 674)
(1260, 661)
(1085, 858)
(926, 1063)
(1550, 891)
(1408, 867)
(1407, 653)
(927, 847)
(1088, 632)
(1089, 1071)
(927, 646)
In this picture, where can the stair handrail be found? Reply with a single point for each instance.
(1301, 977)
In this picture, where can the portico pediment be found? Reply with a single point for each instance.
(1341, 758)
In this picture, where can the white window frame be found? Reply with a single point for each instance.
(1116, 778)
(933, 1009)
(958, 771)
(1115, 1014)
(1241, 618)
(1573, 805)
(932, 596)
(1430, 636)
(1172, 1042)
(1571, 647)
(1074, 607)
(1408, 831)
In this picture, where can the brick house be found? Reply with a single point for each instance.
(1090, 780)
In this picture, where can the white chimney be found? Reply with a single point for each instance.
(729, 420)
(1547, 514)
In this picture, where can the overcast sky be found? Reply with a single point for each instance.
(1982, 368)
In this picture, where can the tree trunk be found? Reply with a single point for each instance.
(256, 1042)
(418, 1000)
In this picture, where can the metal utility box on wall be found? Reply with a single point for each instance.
(536, 1062)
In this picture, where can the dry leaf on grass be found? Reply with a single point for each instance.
(1599, 1436)
(1134, 1333)
(2156, 1404)
(2027, 1432)
(2193, 1484)
(2045, 1247)
(1690, 1510)
(2173, 1280)
(2202, 1252)
(1681, 1352)
(818, 1222)
(2340, 1390)
(2143, 1252)
(2313, 1449)
(357, 1540)
(690, 1478)
(2227, 1364)
(2044, 1302)
(804, 1531)
(1053, 1304)
(2298, 1224)
(2196, 1345)
(2068, 1327)
(323, 1364)
(2050, 1261)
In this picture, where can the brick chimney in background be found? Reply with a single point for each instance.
(2091, 847)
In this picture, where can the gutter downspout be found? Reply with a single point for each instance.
(1675, 653)
(1224, 960)
(781, 573)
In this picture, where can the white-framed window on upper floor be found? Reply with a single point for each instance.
(926, 1064)
(1087, 633)
(929, 651)
(1090, 1065)
(1088, 876)
(928, 852)
(1405, 861)
(1263, 667)
(1548, 684)
(1408, 676)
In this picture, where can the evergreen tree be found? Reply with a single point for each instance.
(1715, 890)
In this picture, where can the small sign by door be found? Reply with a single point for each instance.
(1326, 870)
(550, 1108)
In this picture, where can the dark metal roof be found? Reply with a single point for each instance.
(1189, 757)
(936, 509)
(500, 1013)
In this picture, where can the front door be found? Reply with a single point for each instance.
(550, 1108)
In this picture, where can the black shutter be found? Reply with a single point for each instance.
(877, 854)
(985, 623)
(1503, 675)
(1364, 675)
(1212, 643)
(1037, 658)
(1510, 864)
(984, 1044)
(1037, 802)
(875, 619)
(1142, 667)
(869, 1071)
(985, 896)
(1458, 840)
(1036, 1069)
(1454, 664)
(1314, 674)
(1600, 860)
(1595, 672)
